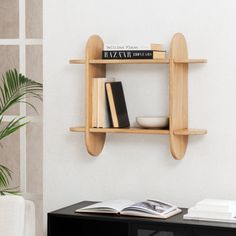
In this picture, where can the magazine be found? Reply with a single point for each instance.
(148, 208)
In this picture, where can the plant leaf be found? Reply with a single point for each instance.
(5, 176)
(15, 88)
(12, 126)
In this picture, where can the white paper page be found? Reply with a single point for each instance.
(152, 207)
(113, 204)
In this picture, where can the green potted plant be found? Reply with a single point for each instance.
(14, 89)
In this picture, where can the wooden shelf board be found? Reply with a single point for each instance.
(121, 130)
(77, 129)
(190, 132)
(189, 61)
(141, 131)
(130, 61)
(77, 61)
(129, 130)
(137, 61)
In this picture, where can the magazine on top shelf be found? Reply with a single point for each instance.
(147, 208)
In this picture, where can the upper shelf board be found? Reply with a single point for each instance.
(137, 61)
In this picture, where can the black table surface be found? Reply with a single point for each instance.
(177, 219)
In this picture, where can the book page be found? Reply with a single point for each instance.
(152, 207)
(113, 206)
(148, 214)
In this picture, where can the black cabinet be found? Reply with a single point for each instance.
(60, 226)
(213, 232)
(105, 228)
(160, 230)
(65, 222)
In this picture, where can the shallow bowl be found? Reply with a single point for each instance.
(153, 121)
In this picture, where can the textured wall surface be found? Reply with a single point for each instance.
(140, 166)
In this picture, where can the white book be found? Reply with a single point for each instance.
(217, 204)
(148, 208)
(94, 102)
(196, 212)
(212, 208)
(100, 101)
(187, 217)
(130, 47)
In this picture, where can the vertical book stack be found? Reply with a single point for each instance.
(109, 106)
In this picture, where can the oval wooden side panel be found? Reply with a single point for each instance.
(178, 95)
(94, 47)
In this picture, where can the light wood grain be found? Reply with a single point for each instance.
(135, 130)
(77, 61)
(130, 61)
(189, 61)
(94, 141)
(190, 132)
(129, 131)
(143, 61)
(77, 129)
(178, 96)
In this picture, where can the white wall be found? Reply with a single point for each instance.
(140, 166)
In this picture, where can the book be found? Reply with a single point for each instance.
(217, 205)
(115, 47)
(148, 208)
(100, 116)
(156, 47)
(159, 54)
(117, 105)
(129, 47)
(135, 54)
(196, 212)
(187, 217)
(213, 210)
(94, 102)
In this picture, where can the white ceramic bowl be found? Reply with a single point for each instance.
(153, 121)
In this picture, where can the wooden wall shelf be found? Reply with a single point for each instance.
(178, 62)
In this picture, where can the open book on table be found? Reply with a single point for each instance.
(148, 208)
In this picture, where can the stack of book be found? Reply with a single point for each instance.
(116, 51)
(213, 210)
(108, 104)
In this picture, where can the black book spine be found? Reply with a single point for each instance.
(125, 54)
(120, 104)
(117, 106)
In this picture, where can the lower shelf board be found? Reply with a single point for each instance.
(130, 130)
(190, 132)
(122, 130)
(141, 131)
